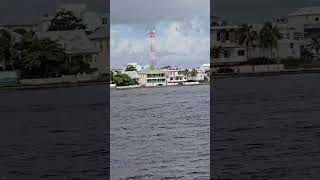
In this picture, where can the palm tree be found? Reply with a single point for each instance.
(216, 51)
(269, 37)
(248, 37)
(186, 72)
(193, 73)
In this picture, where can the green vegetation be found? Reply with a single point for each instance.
(65, 20)
(38, 58)
(216, 51)
(248, 37)
(131, 68)
(121, 79)
(193, 73)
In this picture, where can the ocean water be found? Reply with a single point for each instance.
(160, 133)
(266, 128)
(54, 134)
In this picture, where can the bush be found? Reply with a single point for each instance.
(124, 80)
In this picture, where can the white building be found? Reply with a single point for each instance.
(296, 30)
(203, 72)
(225, 37)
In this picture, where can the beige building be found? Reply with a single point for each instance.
(101, 40)
(152, 77)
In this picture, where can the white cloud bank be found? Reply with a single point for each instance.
(183, 43)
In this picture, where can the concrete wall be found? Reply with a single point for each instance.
(8, 78)
(63, 79)
(255, 68)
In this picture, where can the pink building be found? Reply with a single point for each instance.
(174, 74)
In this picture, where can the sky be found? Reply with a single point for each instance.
(240, 11)
(30, 11)
(182, 27)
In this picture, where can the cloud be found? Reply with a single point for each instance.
(30, 11)
(184, 43)
(257, 10)
(143, 11)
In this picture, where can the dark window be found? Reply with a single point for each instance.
(291, 45)
(227, 35)
(316, 19)
(226, 54)
(241, 53)
(218, 36)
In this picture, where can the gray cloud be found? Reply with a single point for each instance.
(29, 11)
(257, 10)
(144, 11)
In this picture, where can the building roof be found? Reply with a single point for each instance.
(151, 71)
(101, 33)
(306, 11)
(74, 42)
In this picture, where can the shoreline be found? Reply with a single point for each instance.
(159, 87)
(216, 76)
(51, 86)
(279, 73)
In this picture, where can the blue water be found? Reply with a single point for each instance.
(160, 133)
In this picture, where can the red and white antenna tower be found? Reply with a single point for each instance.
(152, 37)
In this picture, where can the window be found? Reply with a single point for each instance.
(227, 35)
(241, 53)
(291, 45)
(226, 54)
(288, 35)
(316, 19)
(297, 36)
(218, 36)
(104, 20)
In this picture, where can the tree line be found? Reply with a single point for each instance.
(32, 57)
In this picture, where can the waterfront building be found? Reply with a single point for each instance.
(152, 77)
(297, 29)
(101, 41)
(174, 74)
(203, 72)
(226, 45)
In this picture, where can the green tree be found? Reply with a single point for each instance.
(65, 20)
(40, 58)
(269, 37)
(216, 52)
(193, 73)
(8, 53)
(248, 37)
(130, 68)
(121, 79)
(186, 72)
